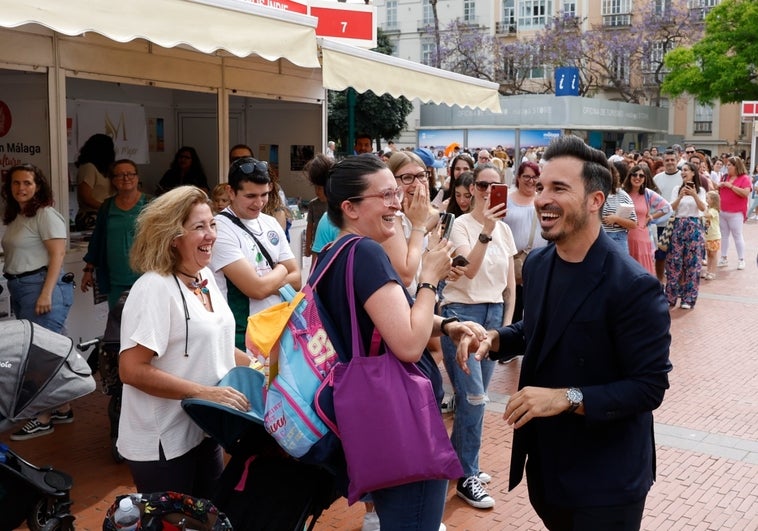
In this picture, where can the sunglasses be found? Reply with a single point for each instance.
(690, 152)
(388, 196)
(250, 166)
(638, 174)
(408, 178)
(484, 185)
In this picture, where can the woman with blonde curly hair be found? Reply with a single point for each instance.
(177, 341)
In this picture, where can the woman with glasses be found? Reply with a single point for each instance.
(34, 243)
(485, 294)
(649, 206)
(363, 198)
(522, 219)
(107, 258)
(414, 220)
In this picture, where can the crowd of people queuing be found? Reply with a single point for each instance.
(542, 276)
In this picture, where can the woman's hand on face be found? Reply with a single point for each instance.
(417, 206)
(436, 262)
(226, 396)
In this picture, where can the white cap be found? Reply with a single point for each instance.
(125, 504)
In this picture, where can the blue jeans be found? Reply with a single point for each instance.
(416, 506)
(621, 238)
(470, 389)
(25, 292)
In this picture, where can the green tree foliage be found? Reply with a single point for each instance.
(724, 64)
(380, 116)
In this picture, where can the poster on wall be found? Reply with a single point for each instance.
(23, 133)
(439, 138)
(491, 138)
(124, 122)
(538, 138)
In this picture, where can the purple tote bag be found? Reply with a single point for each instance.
(388, 419)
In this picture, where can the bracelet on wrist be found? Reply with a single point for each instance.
(422, 230)
(446, 322)
(426, 285)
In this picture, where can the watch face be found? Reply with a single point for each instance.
(574, 395)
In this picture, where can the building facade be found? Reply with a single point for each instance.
(617, 74)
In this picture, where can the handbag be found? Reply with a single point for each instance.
(664, 239)
(387, 416)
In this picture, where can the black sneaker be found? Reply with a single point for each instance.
(58, 417)
(33, 428)
(471, 490)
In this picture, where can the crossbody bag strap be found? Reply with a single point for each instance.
(237, 221)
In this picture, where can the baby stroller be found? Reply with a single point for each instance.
(108, 347)
(39, 370)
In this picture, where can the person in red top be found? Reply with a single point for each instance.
(734, 190)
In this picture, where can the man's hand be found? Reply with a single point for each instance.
(533, 402)
(480, 345)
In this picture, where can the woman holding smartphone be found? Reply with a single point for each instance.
(483, 293)
(683, 260)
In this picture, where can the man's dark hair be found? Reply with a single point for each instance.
(248, 170)
(364, 135)
(596, 173)
(669, 152)
(240, 146)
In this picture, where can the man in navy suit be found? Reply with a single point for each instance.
(595, 338)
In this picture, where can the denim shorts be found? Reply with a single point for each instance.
(25, 291)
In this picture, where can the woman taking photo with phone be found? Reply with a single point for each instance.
(684, 257)
(485, 294)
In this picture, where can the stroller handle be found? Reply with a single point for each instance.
(86, 345)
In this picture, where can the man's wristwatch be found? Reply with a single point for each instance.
(575, 399)
(484, 238)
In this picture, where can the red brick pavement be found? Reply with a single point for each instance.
(707, 478)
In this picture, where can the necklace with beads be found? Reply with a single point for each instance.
(199, 287)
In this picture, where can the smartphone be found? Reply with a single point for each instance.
(498, 194)
(446, 222)
(460, 260)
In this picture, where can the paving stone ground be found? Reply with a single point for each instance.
(706, 431)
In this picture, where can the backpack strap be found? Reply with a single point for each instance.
(338, 248)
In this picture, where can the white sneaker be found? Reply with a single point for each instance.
(484, 477)
(723, 262)
(685, 306)
(741, 264)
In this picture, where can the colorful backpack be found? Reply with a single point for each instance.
(293, 339)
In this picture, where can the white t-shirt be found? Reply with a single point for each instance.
(667, 181)
(520, 218)
(23, 241)
(154, 318)
(687, 205)
(233, 243)
(488, 284)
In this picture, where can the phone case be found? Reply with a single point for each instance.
(498, 194)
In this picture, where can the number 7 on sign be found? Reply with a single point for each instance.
(344, 25)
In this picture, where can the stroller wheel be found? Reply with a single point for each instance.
(39, 516)
(54, 524)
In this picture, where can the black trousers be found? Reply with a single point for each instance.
(558, 518)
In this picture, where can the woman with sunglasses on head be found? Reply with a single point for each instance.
(522, 219)
(684, 257)
(483, 292)
(363, 199)
(649, 206)
(107, 258)
(34, 243)
(177, 342)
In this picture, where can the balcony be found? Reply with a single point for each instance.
(505, 28)
(617, 21)
(702, 128)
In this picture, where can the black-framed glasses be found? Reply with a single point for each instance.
(530, 177)
(484, 185)
(250, 166)
(125, 175)
(388, 196)
(408, 178)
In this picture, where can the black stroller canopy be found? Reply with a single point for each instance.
(39, 370)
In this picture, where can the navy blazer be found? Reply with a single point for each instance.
(609, 337)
